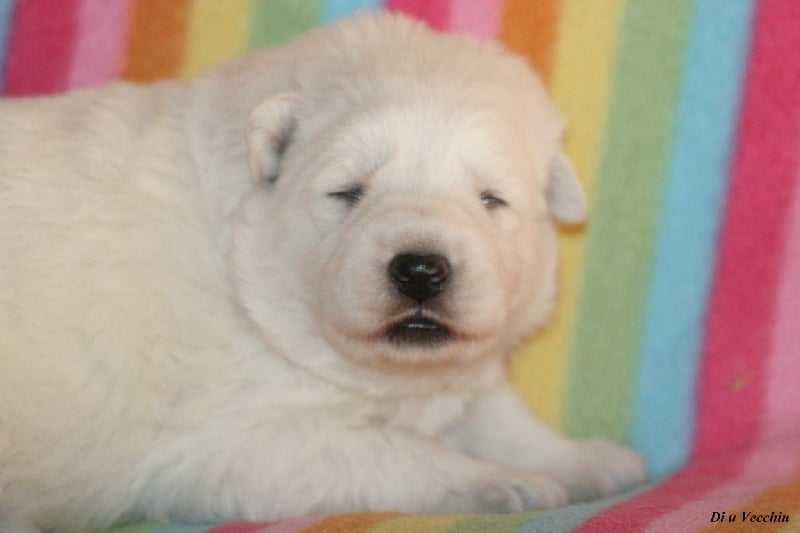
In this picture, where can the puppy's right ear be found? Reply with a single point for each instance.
(565, 195)
(268, 131)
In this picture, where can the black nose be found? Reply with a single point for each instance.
(419, 276)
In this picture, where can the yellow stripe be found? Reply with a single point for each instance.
(219, 29)
(581, 83)
(426, 523)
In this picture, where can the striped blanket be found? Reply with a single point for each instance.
(674, 331)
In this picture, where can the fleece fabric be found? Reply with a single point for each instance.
(678, 326)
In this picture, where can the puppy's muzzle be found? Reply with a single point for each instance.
(419, 277)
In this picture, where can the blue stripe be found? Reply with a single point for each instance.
(696, 185)
(6, 14)
(573, 516)
(335, 9)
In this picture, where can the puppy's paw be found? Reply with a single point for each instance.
(511, 492)
(604, 468)
(538, 491)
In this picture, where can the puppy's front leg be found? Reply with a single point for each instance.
(312, 464)
(501, 429)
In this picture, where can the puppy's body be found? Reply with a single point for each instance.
(194, 329)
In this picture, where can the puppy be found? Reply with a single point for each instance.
(287, 287)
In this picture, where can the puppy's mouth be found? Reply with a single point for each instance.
(418, 330)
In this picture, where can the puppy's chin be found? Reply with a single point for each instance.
(415, 350)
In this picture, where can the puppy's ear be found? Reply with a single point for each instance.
(268, 131)
(564, 193)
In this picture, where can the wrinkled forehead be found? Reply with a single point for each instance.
(427, 136)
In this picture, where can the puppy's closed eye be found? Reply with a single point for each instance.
(491, 200)
(351, 195)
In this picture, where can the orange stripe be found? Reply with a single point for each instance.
(350, 522)
(157, 39)
(530, 29)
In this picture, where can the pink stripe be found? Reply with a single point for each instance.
(689, 484)
(480, 18)
(435, 12)
(100, 47)
(769, 466)
(297, 525)
(41, 45)
(783, 394)
(744, 300)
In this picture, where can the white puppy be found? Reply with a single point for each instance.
(287, 287)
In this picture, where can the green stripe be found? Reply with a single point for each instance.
(484, 523)
(277, 21)
(623, 221)
(149, 527)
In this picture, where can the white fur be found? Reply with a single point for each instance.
(184, 336)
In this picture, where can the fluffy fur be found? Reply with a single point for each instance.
(194, 313)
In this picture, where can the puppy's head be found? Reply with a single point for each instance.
(407, 188)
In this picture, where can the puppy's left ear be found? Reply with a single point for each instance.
(564, 193)
(269, 129)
